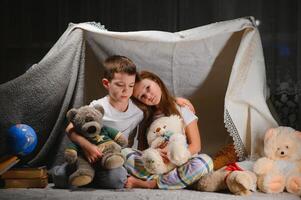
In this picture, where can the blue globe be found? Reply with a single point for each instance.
(22, 139)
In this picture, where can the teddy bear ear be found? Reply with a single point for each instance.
(99, 108)
(298, 133)
(269, 133)
(71, 113)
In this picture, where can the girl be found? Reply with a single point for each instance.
(150, 90)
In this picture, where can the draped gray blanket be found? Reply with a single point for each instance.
(219, 67)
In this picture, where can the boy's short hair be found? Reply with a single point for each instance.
(118, 64)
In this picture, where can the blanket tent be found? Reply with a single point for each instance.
(219, 67)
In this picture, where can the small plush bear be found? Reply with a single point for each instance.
(87, 122)
(166, 130)
(236, 177)
(280, 168)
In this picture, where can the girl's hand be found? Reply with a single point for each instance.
(163, 153)
(163, 145)
(185, 102)
(92, 153)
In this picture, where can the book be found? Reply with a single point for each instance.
(41, 182)
(25, 173)
(7, 162)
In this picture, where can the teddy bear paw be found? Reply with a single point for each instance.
(275, 184)
(180, 157)
(153, 166)
(80, 180)
(112, 161)
(241, 182)
(70, 156)
(294, 185)
(81, 177)
(178, 152)
(153, 162)
(211, 182)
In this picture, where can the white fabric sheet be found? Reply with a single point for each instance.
(226, 57)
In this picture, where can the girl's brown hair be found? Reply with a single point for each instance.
(167, 105)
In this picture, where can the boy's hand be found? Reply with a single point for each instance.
(185, 102)
(92, 153)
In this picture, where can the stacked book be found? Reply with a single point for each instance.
(7, 162)
(25, 178)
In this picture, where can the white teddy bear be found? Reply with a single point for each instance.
(166, 129)
(280, 168)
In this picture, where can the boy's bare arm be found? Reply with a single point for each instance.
(92, 152)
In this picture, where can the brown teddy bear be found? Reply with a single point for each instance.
(87, 121)
(281, 167)
(237, 177)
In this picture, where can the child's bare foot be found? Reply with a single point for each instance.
(133, 182)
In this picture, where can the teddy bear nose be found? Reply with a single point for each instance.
(158, 129)
(282, 153)
(91, 129)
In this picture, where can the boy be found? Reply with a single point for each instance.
(120, 113)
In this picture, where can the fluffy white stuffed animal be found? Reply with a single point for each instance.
(166, 129)
(280, 168)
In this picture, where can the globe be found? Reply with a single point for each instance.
(22, 139)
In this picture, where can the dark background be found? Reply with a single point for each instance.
(30, 28)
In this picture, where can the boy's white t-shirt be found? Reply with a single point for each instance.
(125, 122)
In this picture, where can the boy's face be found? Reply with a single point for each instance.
(121, 87)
